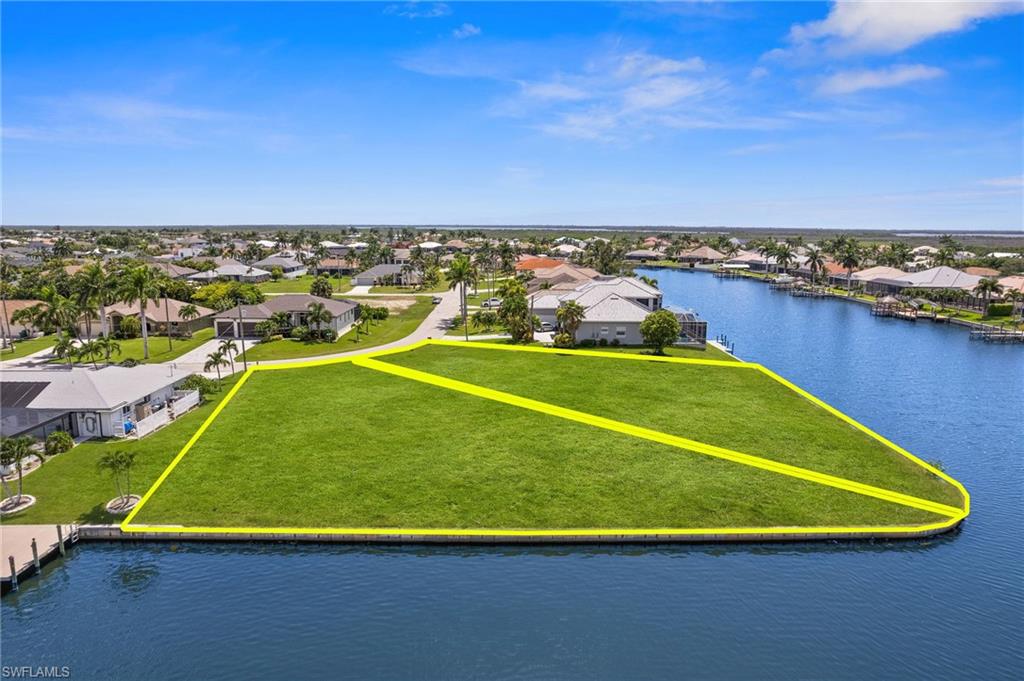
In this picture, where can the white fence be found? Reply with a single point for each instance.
(152, 422)
(183, 401)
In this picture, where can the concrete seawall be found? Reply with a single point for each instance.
(114, 533)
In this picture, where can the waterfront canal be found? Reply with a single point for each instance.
(948, 607)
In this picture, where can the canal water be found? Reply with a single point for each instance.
(944, 608)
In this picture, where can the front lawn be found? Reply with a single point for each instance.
(397, 325)
(441, 287)
(26, 347)
(131, 348)
(342, 446)
(71, 489)
(302, 284)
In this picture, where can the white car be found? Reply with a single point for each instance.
(491, 302)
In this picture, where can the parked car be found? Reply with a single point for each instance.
(491, 302)
(547, 326)
(435, 300)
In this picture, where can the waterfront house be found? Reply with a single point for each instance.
(613, 307)
(878, 279)
(564, 276)
(241, 320)
(701, 254)
(109, 401)
(643, 255)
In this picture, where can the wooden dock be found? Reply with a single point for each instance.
(26, 548)
(997, 335)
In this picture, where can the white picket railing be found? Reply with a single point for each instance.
(183, 401)
(152, 422)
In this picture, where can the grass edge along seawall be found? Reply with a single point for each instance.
(954, 516)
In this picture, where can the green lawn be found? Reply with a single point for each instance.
(396, 326)
(441, 287)
(302, 284)
(158, 350)
(740, 409)
(344, 446)
(25, 348)
(69, 488)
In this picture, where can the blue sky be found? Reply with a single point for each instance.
(775, 114)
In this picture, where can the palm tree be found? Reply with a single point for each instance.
(188, 312)
(95, 289)
(765, 250)
(108, 345)
(13, 452)
(570, 315)
(140, 285)
(815, 261)
(90, 350)
(282, 320)
(318, 315)
(119, 463)
(228, 348)
(849, 257)
(988, 288)
(215, 360)
(55, 310)
(461, 274)
(784, 256)
(64, 348)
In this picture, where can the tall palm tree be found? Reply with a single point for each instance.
(188, 312)
(318, 315)
(215, 360)
(96, 289)
(766, 249)
(228, 348)
(462, 274)
(13, 452)
(140, 285)
(784, 256)
(988, 288)
(815, 261)
(570, 315)
(55, 310)
(849, 257)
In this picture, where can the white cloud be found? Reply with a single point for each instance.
(643, 64)
(419, 10)
(1012, 181)
(758, 72)
(467, 30)
(889, 27)
(553, 91)
(847, 82)
(661, 92)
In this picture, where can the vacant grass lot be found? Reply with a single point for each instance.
(71, 489)
(740, 409)
(343, 446)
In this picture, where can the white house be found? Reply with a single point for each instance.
(236, 272)
(85, 402)
(613, 308)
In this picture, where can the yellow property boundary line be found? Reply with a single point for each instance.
(954, 515)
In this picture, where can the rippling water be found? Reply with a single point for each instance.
(950, 607)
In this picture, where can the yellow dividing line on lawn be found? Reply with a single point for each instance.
(663, 438)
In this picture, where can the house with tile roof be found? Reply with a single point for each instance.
(241, 320)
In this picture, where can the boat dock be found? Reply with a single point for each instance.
(26, 548)
(993, 334)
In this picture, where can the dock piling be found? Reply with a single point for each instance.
(35, 555)
(14, 574)
(60, 541)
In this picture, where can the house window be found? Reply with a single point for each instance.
(620, 331)
(604, 330)
(126, 409)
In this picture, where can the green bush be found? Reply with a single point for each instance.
(999, 309)
(204, 385)
(563, 340)
(129, 328)
(299, 333)
(615, 343)
(588, 343)
(57, 442)
(130, 362)
(603, 342)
